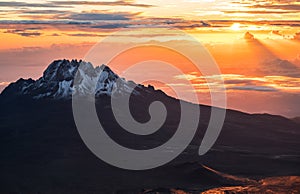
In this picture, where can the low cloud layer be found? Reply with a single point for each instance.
(103, 3)
(279, 67)
(242, 82)
(69, 4)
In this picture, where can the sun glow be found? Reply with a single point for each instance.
(235, 27)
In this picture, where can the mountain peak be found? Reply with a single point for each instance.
(58, 80)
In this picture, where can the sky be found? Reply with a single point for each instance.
(256, 43)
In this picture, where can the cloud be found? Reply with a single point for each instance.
(99, 16)
(273, 83)
(111, 26)
(87, 21)
(73, 17)
(3, 85)
(276, 32)
(279, 67)
(228, 23)
(52, 12)
(297, 60)
(84, 35)
(93, 21)
(239, 81)
(102, 3)
(55, 34)
(70, 4)
(271, 5)
(296, 36)
(192, 25)
(43, 11)
(292, 7)
(41, 22)
(17, 4)
(259, 12)
(254, 88)
(186, 76)
(24, 32)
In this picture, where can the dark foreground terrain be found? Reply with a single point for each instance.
(42, 152)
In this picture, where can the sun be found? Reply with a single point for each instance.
(235, 27)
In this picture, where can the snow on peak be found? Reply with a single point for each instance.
(62, 78)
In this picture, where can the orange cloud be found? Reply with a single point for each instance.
(242, 82)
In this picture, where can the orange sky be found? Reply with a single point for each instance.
(256, 44)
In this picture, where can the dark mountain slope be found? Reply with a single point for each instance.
(41, 150)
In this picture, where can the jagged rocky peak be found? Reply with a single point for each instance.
(58, 81)
(61, 70)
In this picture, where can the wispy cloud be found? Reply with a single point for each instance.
(84, 34)
(97, 21)
(254, 88)
(296, 36)
(4, 83)
(291, 7)
(100, 16)
(43, 11)
(24, 32)
(102, 3)
(72, 16)
(70, 4)
(18, 4)
(242, 82)
(279, 67)
(260, 11)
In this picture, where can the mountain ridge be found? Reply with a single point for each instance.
(58, 79)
